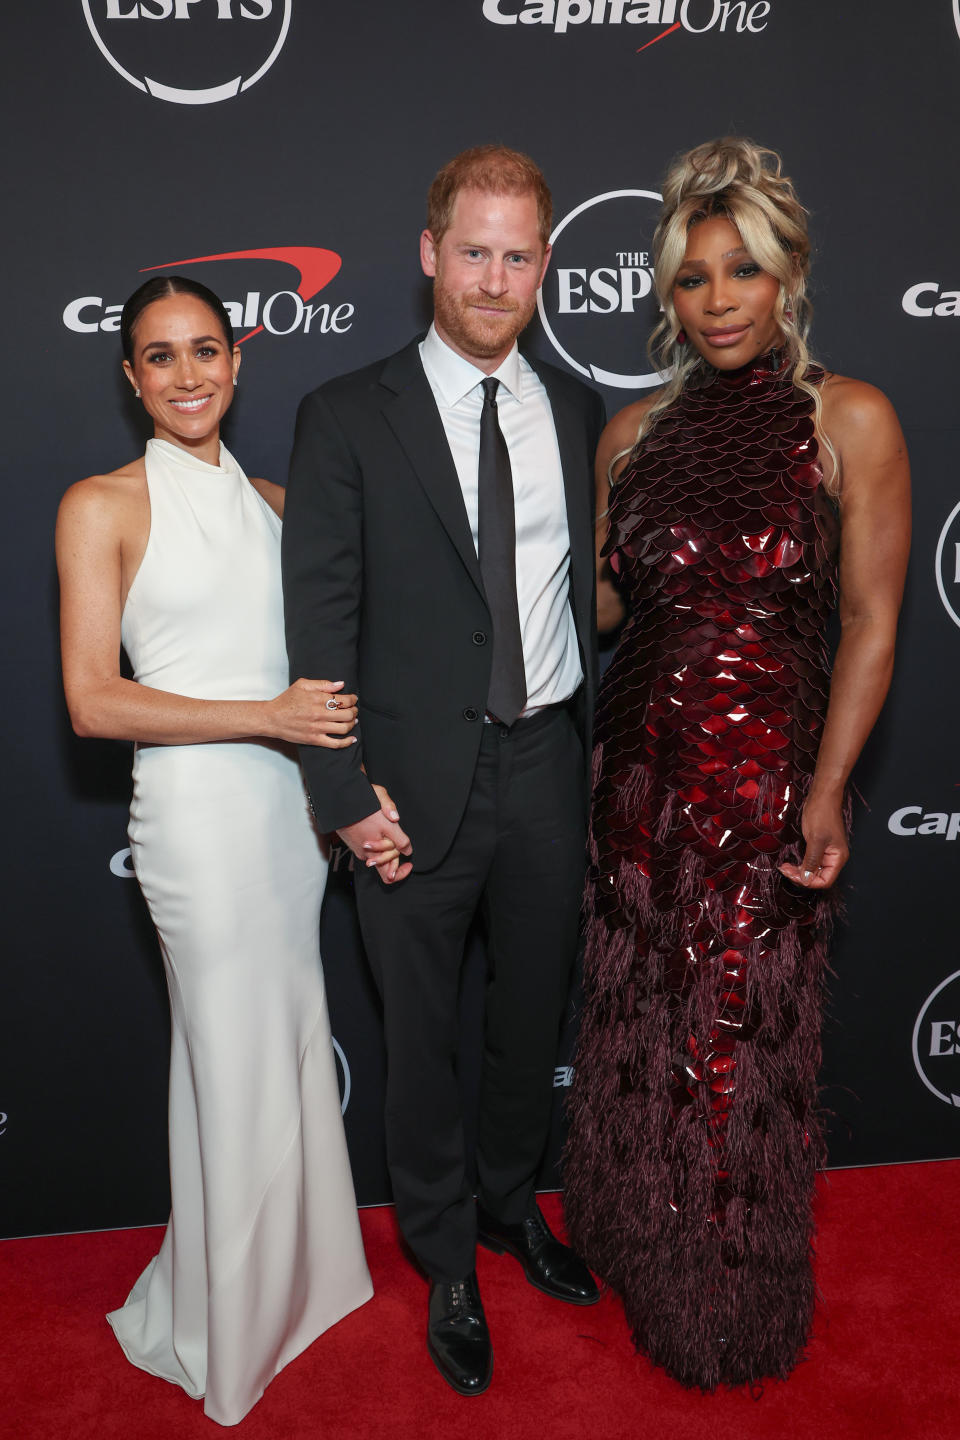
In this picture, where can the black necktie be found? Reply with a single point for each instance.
(498, 563)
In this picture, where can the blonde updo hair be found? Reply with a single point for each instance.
(742, 181)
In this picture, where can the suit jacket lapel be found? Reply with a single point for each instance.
(412, 414)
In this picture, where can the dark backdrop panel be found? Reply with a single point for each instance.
(333, 147)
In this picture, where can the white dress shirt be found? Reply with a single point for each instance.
(551, 655)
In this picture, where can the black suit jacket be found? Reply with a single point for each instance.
(382, 589)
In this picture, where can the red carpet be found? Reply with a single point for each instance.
(884, 1361)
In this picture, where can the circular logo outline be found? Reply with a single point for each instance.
(952, 1100)
(210, 96)
(938, 562)
(118, 864)
(594, 372)
(347, 1084)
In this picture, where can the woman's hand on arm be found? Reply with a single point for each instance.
(875, 542)
(303, 714)
(98, 528)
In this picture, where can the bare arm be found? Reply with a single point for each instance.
(875, 542)
(618, 436)
(98, 545)
(274, 495)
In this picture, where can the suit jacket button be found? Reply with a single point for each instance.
(471, 714)
(478, 637)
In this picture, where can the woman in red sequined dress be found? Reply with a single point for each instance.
(750, 496)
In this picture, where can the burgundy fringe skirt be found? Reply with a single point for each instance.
(694, 1137)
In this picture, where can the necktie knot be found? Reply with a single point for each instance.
(490, 388)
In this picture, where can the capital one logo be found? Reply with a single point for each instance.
(191, 52)
(597, 305)
(282, 312)
(928, 298)
(913, 820)
(948, 564)
(694, 16)
(936, 1041)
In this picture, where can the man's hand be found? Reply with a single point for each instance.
(378, 840)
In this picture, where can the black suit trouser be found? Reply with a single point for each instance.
(518, 856)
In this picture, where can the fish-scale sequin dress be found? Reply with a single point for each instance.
(694, 1138)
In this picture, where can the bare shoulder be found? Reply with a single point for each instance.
(273, 494)
(855, 411)
(621, 431)
(99, 498)
(864, 430)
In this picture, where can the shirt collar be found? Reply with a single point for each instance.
(455, 377)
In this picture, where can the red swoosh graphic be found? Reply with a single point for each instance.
(316, 267)
(661, 36)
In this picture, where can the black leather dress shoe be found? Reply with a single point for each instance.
(458, 1340)
(549, 1265)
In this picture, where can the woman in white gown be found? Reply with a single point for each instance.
(177, 556)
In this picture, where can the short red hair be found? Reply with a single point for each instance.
(493, 170)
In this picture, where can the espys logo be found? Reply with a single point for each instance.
(936, 1040)
(597, 304)
(282, 313)
(948, 564)
(193, 58)
(694, 16)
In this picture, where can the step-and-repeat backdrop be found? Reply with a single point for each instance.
(280, 151)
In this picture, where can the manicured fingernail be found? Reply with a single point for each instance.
(393, 814)
(807, 874)
(353, 738)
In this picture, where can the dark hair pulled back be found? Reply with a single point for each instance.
(157, 289)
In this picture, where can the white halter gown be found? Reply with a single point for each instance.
(263, 1250)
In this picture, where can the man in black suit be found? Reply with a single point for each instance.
(438, 558)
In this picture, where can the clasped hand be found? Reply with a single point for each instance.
(304, 714)
(378, 840)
